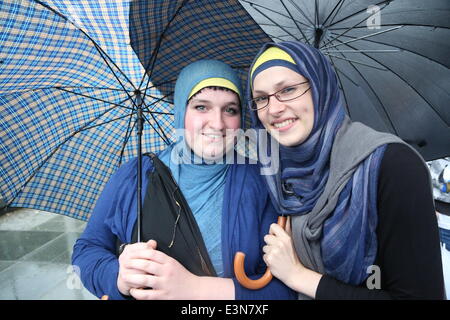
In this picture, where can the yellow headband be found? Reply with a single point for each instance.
(272, 53)
(214, 82)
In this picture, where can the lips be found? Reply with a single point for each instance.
(283, 124)
(214, 136)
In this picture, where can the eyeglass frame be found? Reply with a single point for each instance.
(252, 101)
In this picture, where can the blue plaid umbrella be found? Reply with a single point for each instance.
(71, 87)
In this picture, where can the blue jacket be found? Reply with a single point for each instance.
(246, 217)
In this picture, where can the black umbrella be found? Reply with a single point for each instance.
(391, 57)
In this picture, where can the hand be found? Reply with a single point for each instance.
(280, 255)
(167, 278)
(132, 264)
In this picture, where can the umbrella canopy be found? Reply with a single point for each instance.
(73, 76)
(71, 86)
(391, 58)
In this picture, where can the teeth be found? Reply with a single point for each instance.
(213, 136)
(284, 123)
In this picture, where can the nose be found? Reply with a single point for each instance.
(216, 120)
(275, 107)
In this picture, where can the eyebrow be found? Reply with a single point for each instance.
(277, 85)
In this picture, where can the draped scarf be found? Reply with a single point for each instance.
(341, 240)
(202, 184)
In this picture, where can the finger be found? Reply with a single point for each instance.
(152, 244)
(277, 230)
(144, 265)
(145, 294)
(139, 280)
(270, 239)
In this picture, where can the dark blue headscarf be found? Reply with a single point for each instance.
(348, 245)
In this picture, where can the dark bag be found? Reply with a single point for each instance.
(167, 218)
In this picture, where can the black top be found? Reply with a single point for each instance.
(408, 255)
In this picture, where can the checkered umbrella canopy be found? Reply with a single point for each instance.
(69, 82)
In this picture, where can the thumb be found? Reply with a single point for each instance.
(152, 244)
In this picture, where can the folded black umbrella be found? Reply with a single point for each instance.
(167, 218)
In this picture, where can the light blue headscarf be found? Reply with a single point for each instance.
(202, 184)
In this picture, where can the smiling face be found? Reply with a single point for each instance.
(211, 120)
(289, 122)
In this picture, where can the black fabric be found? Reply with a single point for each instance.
(408, 252)
(167, 218)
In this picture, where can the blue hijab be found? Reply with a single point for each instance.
(202, 184)
(348, 244)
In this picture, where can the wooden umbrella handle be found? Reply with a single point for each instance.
(239, 269)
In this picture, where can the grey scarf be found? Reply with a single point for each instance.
(353, 143)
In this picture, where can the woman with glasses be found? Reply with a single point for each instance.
(361, 218)
(229, 202)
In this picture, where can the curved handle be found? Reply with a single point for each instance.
(239, 269)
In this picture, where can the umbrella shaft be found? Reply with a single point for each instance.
(139, 166)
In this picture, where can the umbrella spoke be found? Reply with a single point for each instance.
(316, 14)
(385, 2)
(376, 96)
(406, 82)
(167, 142)
(126, 138)
(403, 24)
(364, 50)
(402, 49)
(275, 23)
(276, 12)
(346, 104)
(165, 138)
(362, 37)
(67, 139)
(112, 71)
(357, 62)
(298, 27)
(351, 28)
(98, 99)
(154, 55)
(339, 4)
(97, 47)
(301, 11)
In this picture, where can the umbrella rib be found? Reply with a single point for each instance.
(165, 139)
(154, 55)
(339, 4)
(362, 37)
(126, 138)
(54, 151)
(386, 2)
(357, 62)
(403, 49)
(166, 142)
(98, 99)
(351, 28)
(298, 27)
(316, 14)
(117, 78)
(376, 96)
(281, 27)
(99, 49)
(342, 88)
(272, 10)
(407, 83)
(301, 11)
(362, 50)
(403, 24)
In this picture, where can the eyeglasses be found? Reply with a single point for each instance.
(286, 94)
